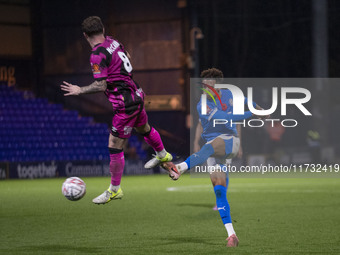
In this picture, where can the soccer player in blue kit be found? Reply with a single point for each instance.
(222, 144)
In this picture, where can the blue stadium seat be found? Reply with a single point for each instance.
(33, 129)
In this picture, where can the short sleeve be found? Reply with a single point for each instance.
(99, 66)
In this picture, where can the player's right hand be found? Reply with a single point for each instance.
(261, 116)
(73, 90)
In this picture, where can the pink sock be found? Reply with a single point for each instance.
(117, 163)
(154, 140)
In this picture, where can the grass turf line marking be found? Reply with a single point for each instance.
(195, 188)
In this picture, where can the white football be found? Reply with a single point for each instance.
(74, 188)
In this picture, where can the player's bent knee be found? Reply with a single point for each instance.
(144, 130)
(116, 142)
(218, 180)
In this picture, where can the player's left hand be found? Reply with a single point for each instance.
(265, 117)
(240, 152)
(73, 90)
(260, 116)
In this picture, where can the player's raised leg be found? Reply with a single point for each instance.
(152, 137)
(117, 163)
(215, 147)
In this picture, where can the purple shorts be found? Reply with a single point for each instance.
(131, 115)
(122, 123)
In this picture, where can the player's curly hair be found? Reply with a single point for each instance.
(92, 26)
(212, 73)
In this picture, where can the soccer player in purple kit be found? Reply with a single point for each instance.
(112, 69)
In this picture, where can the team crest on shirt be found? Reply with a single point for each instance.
(127, 130)
(208, 109)
(95, 69)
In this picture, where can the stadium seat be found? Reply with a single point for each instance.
(33, 129)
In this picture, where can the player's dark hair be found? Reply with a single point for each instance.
(212, 73)
(92, 26)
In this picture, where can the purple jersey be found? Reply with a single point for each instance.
(109, 62)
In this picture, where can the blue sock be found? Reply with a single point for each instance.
(222, 203)
(200, 157)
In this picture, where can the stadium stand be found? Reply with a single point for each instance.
(32, 129)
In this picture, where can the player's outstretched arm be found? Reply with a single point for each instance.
(75, 90)
(257, 107)
(261, 117)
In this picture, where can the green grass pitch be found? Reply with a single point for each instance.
(159, 216)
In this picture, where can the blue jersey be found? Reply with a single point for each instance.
(209, 131)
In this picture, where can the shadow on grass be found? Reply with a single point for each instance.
(64, 249)
(185, 240)
(209, 205)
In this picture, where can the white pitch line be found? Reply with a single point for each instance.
(196, 188)
(190, 188)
